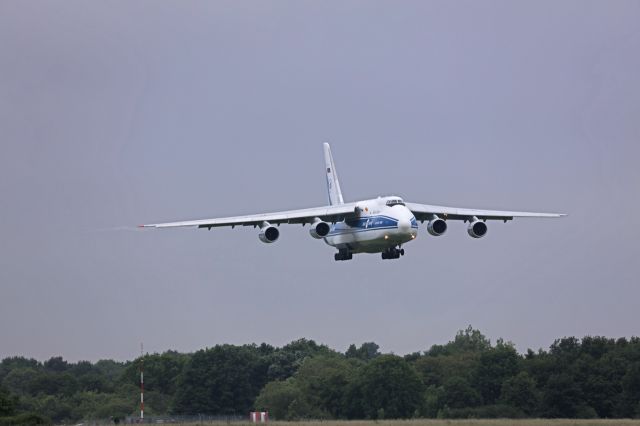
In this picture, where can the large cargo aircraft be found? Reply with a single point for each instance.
(380, 225)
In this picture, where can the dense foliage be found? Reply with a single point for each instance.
(467, 377)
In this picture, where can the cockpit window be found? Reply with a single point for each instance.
(396, 202)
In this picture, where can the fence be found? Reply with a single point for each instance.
(196, 419)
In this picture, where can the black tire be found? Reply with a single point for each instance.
(401, 252)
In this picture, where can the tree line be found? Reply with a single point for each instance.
(466, 377)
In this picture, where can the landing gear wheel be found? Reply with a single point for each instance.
(392, 253)
(343, 254)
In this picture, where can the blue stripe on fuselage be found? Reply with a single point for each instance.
(357, 230)
(369, 223)
(372, 222)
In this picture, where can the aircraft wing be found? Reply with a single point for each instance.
(426, 212)
(332, 214)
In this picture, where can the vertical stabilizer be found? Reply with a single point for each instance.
(333, 185)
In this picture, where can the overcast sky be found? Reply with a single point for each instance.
(119, 113)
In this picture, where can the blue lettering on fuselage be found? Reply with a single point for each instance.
(362, 224)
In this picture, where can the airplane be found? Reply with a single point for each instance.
(379, 225)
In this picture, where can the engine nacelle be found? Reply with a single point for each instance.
(437, 227)
(319, 229)
(477, 229)
(268, 233)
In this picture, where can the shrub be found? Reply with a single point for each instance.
(26, 419)
(498, 411)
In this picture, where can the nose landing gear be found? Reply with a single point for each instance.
(393, 253)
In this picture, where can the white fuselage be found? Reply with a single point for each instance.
(383, 223)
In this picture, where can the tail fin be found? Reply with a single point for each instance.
(333, 185)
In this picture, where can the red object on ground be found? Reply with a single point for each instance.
(259, 416)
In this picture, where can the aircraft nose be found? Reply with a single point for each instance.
(404, 225)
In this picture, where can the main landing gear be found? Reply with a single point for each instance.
(393, 253)
(343, 254)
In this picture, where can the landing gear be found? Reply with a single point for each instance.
(393, 253)
(343, 254)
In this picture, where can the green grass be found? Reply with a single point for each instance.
(466, 422)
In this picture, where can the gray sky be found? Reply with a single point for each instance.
(119, 113)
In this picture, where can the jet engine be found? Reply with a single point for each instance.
(319, 229)
(437, 227)
(268, 233)
(477, 229)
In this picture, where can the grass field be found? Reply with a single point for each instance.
(430, 422)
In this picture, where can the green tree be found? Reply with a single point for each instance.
(96, 405)
(109, 369)
(19, 381)
(276, 397)
(56, 364)
(432, 401)
(17, 362)
(468, 340)
(54, 383)
(93, 382)
(520, 391)
(467, 377)
(7, 403)
(300, 409)
(629, 405)
(435, 370)
(286, 360)
(161, 371)
(366, 352)
(323, 380)
(114, 408)
(55, 408)
(599, 376)
(458, 393)
(496, 365)
(561, 397)
(222, 380)
(389, 383)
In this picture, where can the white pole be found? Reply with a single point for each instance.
(141, 382)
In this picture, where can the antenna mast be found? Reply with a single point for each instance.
(141, 383)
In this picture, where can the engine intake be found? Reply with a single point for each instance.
(319, 229)
(268, 233)
(477, 229)
(437, 227)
